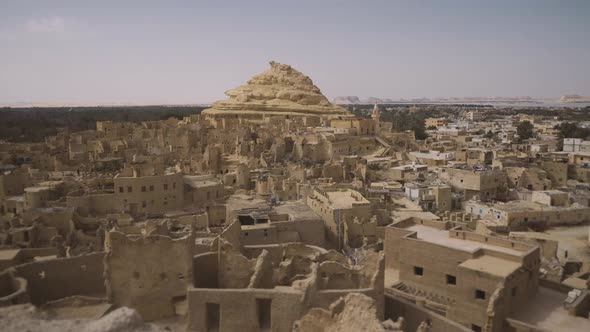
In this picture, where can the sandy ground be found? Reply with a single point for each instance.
(574, 239)
(26, 317)
(546, 311)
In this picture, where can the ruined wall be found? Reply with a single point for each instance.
(12, 290)
(235, 270)
(515, 218)
(443, 198)
(565, 216)
(205, 270)
(328, 215)
(354, 312)
(260, 234)
(95, 204)
(579, 173)
(148, 273)
(14, 183)
(60, 218)
(306, 231)
(310, 231)
(413, 315)
(54, 279)
(12, 257)
(217, 215)
(335, 280)
(206, 194)
(556, 172)
(323, 298)
(356, 233)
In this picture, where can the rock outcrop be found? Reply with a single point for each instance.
(26, 317)
(281, 90)
(347, 100)
(574, 99)
(355, 312)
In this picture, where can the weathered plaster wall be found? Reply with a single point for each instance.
(54, 279)
(148, 273)
(238, 310)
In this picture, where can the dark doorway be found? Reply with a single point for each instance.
(213, 317)
(264, 314)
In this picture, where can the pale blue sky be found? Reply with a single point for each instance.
(192, 51)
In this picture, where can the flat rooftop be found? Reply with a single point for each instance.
(243, 201)
(491, 265)
(405, 214)
(297, 210)
(9, 254)
(345, 199)
(441, 237)
(199, 181)
(20, 198)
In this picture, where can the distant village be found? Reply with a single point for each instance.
(277, 210)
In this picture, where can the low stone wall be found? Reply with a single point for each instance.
(241, 310)
(148, 274)
(54, 279)
(12, 290)
(30, 253)
(414, 315)
(518, 326)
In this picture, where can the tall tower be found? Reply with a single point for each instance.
(375, 116)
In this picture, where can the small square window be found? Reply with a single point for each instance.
(143, 189)
(514, 291)
(476, 328)
(480, 295)
(129, 189)
(451, 280)
(121, 189)
(419, 271)
(165, 186)
(152, 187)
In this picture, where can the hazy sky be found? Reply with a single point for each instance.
(192, 51)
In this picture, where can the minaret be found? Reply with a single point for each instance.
(375, 116)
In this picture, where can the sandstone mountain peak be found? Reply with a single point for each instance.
(282, 74)
(280, 90)
(280, 82)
